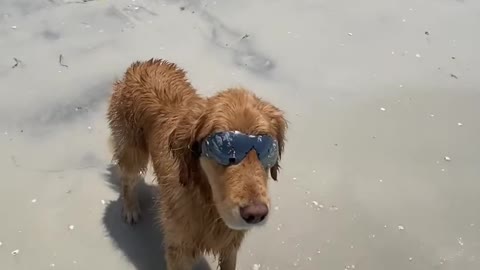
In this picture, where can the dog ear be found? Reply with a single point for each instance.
(188, 164)
(274, 171)
(185, 146)
(279, 124)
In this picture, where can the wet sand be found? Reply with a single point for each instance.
(381, 169)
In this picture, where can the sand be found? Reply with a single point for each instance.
(381, 169)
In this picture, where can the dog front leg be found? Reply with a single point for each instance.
(180, 259)
(228, 260)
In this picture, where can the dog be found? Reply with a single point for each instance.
(212, 158)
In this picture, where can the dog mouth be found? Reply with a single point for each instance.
(236, 220)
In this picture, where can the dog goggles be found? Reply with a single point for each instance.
(231, 147)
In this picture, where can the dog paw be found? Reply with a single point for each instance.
(131, 215)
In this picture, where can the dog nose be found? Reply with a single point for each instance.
(254, 213)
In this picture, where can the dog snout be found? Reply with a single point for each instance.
(254, 213)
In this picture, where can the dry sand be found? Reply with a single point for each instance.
(382, 164)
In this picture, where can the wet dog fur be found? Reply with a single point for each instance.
(156, 115)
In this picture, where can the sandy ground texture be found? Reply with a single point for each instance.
(381, 169)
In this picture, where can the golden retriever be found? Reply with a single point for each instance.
(210, 196)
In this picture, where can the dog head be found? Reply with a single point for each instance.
(238, 178)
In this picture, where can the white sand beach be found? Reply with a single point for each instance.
(382, 165)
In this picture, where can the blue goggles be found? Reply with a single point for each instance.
(231, 147)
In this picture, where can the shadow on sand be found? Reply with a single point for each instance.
(142, 243)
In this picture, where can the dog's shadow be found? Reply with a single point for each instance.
(141, 243)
